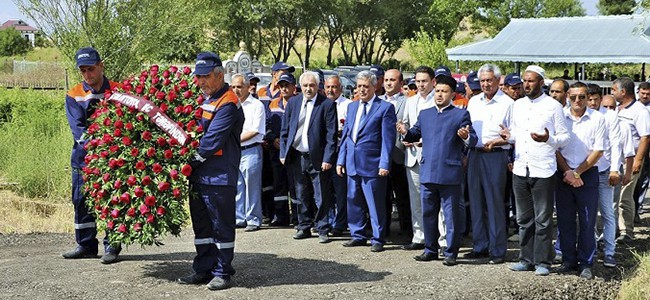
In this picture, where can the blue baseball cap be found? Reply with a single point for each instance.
(206, 62)
(87, 56)
(321, 79)
(512, 79)
(473, 82)
(411, 81)
(460, 87)
(282, 66)
(377, 70)
(288, 77)
(442, 70)
(251, 77)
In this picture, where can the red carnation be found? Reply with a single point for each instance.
(187, 70)
(173, 174)
(154, 68)
(194, 144)
(135, 152)
(115, 200)
(173, 69)
(138, 191)
(126, 141)
(110, 224)
(176, 193)
(188, 108)
(140, 165)
(129, 126)
(187, 94)
(113, 148)
(147, 136)
(183, 84)
(184, 151)
(151, 152)
(107, 122)
(106, 177)
(161, 141)
(186, 170)
(157, 168)
(131, 212)
(155, 79)
(172, 96)
(164, 107)
(139, 89)
(178, 109)
(118, 184)
(112, 163)
(199, 100)
(144, 209)
(119, 124)
(150, 200)
(160, 95)
(125, 197)
(94, 143)
(151, 218)
(137, 227)
(107, 139)
(168, 154)
(105, 210)
(167, 82)
(139, 117)
(101, 194)
(120, 162)
(199, 128)
(173, 142)
(131, 180)
(96, 185)
(198, 113)
(121, 228)
(146, 180)
(160, 211)
(115, 213)
(163, 186)
(165, 74)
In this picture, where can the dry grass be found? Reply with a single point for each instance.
(638, 286)
(24, 215)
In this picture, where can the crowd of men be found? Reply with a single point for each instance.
(445, 157)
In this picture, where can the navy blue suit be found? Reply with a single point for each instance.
(441, 172)
(313, 186)
(362, 160)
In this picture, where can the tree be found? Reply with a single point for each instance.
(127, 33)
(12, 43)
(496, 15)
(428, 49)
(616, 7)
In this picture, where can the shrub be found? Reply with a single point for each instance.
(35, 143)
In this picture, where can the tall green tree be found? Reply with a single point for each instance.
(12, 43)
(616, 7)
(494, 16)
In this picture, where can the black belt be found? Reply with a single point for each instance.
(250, 146)
(483, 150)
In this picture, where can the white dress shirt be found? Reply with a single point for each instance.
(304, 141)
(414, 105)
(532, 158)
(487, 115)
(254, 119)
(637, 117)
(588, 134)
(357, 118)
(342, 110)
(392, 99)
(612, 156)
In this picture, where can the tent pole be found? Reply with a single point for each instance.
(583, 76)
(517, 67)
(643, 72)
(575, 71)
(457, 66)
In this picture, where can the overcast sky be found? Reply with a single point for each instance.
(10, 11)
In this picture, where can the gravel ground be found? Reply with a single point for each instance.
(271, 265)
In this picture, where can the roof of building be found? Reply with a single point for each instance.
(19, 25)
(592, 39)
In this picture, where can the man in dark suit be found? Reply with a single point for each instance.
(365, 155)
(445, 131)
(308, 149)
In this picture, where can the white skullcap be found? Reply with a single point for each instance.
(536, 69)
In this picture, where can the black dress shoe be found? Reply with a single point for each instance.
(496, 260)
(336, 232)
(219, 283)
(413, 246)
(302, 234)
(475, 255)
(377, 248)
(449, 261)
(109, 257)
(426, 256)
(354, 243)
(566, 268)
(80, 252)
(195, 278)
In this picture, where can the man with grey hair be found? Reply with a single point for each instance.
(308, 149)
(249, 186)
(365, 157)
(538, 130)
(215, 170)
(633, 114)
(486, 167)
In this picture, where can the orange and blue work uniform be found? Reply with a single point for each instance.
(268, 192)
(214, 184)
(80, 103)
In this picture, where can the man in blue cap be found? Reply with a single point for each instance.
(472, 85)
(215, 170)
(80, 102)
(253, 80)
(513, 86)
(272, 91)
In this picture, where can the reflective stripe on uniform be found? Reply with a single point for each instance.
(280, 198)
(85, 225)
(225, 245)
(295, 201)
(204, 241)
(208, 107)
(88, 97)
(267, 188)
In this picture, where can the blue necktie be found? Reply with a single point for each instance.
(363, 113)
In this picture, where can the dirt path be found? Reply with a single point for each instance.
(271, 265)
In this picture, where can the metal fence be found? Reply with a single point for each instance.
(35, 75)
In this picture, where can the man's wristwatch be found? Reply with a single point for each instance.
(576, 175)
